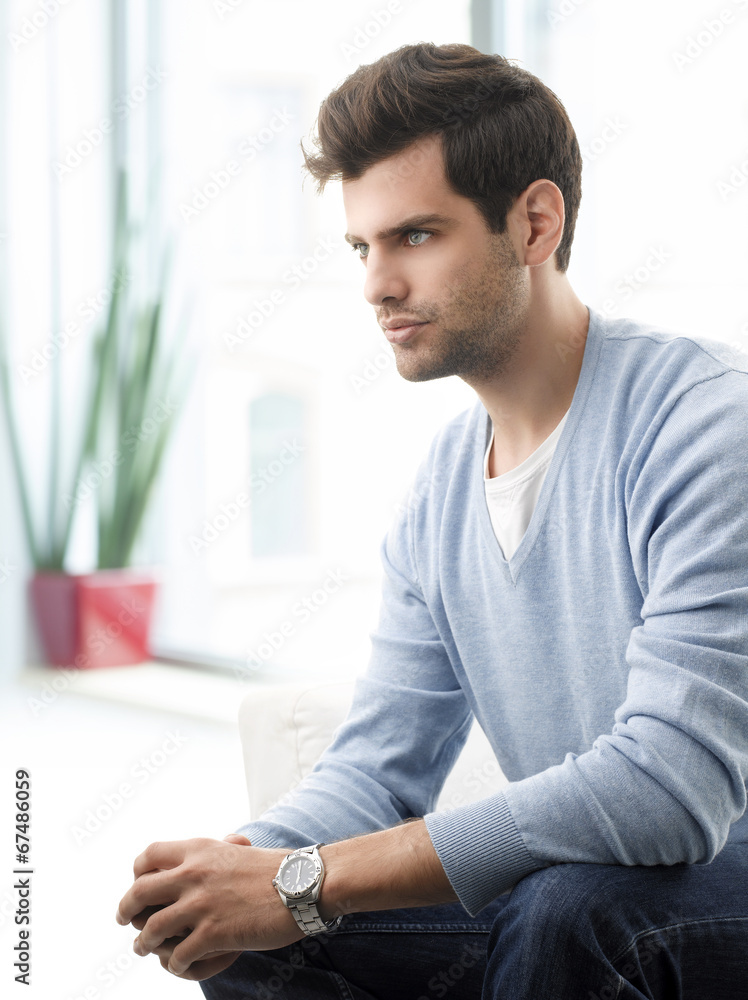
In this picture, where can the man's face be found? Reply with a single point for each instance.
(430, 260)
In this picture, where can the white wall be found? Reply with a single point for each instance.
(31, 312)
(13, 564)
(13, 572)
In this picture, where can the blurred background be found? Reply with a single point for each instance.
(155, 224)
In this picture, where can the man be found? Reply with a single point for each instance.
(572, 571)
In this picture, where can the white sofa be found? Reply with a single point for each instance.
(285, 729)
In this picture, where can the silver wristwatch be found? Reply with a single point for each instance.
(299, 882)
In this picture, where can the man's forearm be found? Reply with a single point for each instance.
(223, 891)
(386, 870)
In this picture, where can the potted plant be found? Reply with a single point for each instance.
(103, 618)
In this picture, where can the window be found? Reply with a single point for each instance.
(279, 447)
(290, 459)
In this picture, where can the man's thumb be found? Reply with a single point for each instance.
(238, 838)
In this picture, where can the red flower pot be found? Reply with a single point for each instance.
(99, 619)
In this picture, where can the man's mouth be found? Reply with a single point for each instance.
(404, 333)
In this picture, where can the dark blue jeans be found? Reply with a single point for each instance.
(570, 932)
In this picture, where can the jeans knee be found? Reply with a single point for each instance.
(566, 900)
(256, 976)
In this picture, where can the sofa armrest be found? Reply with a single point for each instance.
(286, 728)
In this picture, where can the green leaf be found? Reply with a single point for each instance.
(15, 450)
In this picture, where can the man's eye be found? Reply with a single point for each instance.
(417, 232)
(415, 238)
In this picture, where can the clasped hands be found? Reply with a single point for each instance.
(198, 904)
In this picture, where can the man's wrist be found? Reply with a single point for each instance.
(298, 884)
(389, 869)
(329, 905)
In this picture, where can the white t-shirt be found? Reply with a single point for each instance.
(511, 497)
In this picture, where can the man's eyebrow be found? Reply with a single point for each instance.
(414, 222)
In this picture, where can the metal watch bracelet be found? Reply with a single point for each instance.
(310, 921)
(306, 915)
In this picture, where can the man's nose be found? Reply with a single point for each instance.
(385, 279)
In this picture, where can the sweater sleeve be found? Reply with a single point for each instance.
(408, 721)
(666, 784)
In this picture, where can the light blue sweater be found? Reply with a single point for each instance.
(607, 660)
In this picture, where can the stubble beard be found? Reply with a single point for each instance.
(478, 329)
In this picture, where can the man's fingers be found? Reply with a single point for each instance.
(206, 967)
(139, 920)
(167, 923)
(151, 890)
(166, 854)
(166, 947)
(192, 949)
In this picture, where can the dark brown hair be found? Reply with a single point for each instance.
(501, 127)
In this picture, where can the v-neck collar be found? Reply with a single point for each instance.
(511, 567)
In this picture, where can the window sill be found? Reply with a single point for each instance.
(164, 687)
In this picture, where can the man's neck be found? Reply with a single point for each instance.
(527, 403)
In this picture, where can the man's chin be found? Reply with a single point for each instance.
(424, 375)
(415, 370)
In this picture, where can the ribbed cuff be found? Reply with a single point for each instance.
(481, 850)
(263, 834)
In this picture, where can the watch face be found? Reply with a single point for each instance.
(298, 875)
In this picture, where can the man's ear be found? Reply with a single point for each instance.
(538, 220)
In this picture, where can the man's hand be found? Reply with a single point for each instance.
(198, 904)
